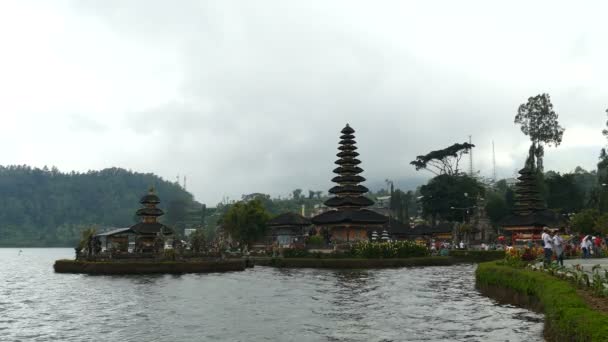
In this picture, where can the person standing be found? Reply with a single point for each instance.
(558, 248)
(584, 247)
(547, 245)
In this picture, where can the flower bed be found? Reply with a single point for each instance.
(568, 317)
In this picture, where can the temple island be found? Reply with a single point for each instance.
(146, 247)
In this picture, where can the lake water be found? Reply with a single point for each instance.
(260, 304)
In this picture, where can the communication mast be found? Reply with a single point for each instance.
(493, 163)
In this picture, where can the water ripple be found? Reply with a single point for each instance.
(263, 304)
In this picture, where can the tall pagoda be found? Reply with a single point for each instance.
(527, 194)
(349, 220)
(529, 214)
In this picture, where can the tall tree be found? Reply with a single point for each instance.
(246, 221)
(538, 120)
(450, 198)
(443, 162)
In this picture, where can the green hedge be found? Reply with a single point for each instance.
(478, 256)
(568, 318)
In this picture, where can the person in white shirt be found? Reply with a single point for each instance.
(585, 246)
(558, 248)
(547, 245)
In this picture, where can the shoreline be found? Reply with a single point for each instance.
(149, 267)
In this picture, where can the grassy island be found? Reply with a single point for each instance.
(568, 316)
(149, 267)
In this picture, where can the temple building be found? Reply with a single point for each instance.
(348, 220)
(142, 236)
(288, 229)
(530, 213)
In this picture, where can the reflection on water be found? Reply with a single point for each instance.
(414, 304)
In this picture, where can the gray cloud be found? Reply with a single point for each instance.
(250, 96)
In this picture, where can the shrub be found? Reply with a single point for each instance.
(315, 241)
(295, 253)
(397, 249)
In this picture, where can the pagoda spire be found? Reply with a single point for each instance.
(527, 195)
(149, 212)
(348, 192)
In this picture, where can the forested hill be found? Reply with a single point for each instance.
(42, 207)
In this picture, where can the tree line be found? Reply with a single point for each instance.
(46, 207)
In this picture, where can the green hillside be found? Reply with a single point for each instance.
(42, 207)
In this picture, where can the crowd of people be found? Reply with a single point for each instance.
(555, 246)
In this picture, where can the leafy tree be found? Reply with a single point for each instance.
(497, 207)
(444, 192)
(563, 192)
(296, 194)
(444, 161)
(246, 221)
(538, 120)
(197, 240)
(585, 221)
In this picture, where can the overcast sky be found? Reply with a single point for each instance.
(250, 96)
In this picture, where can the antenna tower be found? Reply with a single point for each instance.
(184, 182)
(493, 162)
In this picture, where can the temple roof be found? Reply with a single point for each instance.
(347, 148)
(151, 228)
(354, 216)
(347, 136)
(149, 212)
(347, 154)
(348, 179)
(348, 189)
(347, 130)
(538, 219)
(349, 201)
(289, 219)
(348, 161)
(342, 170)
(150, 198)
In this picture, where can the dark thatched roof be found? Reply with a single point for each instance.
(344, 216)
(537, 219)
(149, 198)
(348, 189)
(289, 219)
(348, 161)
(347, 130)
(348, 169)
(151, 228)
(149, 212)
(349, 201)
(348, 179)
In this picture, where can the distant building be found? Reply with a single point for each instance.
(288, 229)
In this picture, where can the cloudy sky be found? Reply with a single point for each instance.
(249, 96)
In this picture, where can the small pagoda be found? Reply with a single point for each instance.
(348, 220)
(149, 228)
(530, 214)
